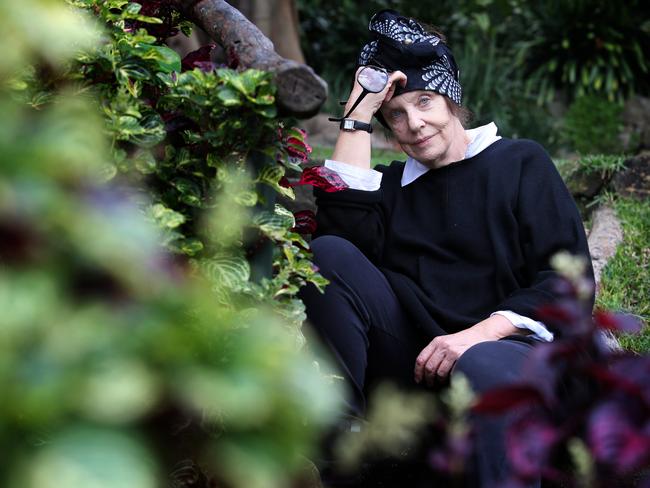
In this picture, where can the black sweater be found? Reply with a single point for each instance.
(464, 240)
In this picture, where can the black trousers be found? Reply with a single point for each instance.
(371, 338)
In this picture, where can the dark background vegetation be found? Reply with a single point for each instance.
(522, 62)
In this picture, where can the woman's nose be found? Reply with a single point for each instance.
(415, 122)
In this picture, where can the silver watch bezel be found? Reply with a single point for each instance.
(348, 124)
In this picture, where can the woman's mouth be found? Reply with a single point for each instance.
(422, 141)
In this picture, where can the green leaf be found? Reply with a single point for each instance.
(166, 217)
(246, 198)
(190, 191)
(167, 60)
(227, 271)
(190, 246)
(132, 70)
(229, 97)
(86, 456)
(271, 175)
(275, 224)
(268, 111)
(145, 162)
(133, 8)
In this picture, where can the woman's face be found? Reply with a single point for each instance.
(424, 126)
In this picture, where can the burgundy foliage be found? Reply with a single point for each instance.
(294, 141)
(322, 178)
(162, 10)
(200, 59)
(577, 387)
(305, 222)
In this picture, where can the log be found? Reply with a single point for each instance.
(301, 92)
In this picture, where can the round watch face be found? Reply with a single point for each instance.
(373, 79)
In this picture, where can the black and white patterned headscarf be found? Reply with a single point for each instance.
(401, 43)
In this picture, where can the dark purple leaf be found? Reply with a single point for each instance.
(618, 382)
(199, 59)
(615, 441)
(618, 322)
(529, 442)
(298, 148)
(305, 222)
(561, 314)
(500, 400)
(19, 241)
(323, 178)
(453, 455)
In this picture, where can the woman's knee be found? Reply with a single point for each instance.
(491, 364)
(333, 253)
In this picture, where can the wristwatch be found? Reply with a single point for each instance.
(351, 125)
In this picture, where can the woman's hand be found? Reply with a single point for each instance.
(438, 358)
(372, 101)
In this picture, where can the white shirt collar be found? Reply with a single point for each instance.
(480, 138)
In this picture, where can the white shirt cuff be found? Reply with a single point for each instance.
(538, 329)
(356, 178)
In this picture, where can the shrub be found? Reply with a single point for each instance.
(584, 47)
(592, 125)
(131, 336)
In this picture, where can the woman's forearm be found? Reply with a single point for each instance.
(353, 148)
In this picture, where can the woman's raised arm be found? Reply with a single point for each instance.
(353, 147)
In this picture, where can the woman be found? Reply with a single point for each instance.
(438, 264)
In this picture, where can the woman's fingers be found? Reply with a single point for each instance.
(398, 77)
(432, 367)
(436, 360)
(395, 78)
(444, 368)
(422, 360)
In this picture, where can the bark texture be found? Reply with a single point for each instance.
(300, 91)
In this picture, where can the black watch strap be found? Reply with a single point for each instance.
(352, 125)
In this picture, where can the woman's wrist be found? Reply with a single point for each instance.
(361, 116)
(496, 327)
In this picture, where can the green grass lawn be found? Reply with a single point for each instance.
(625, 284)
(379, 156)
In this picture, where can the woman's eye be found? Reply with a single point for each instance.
(424, 100)
(395, 114)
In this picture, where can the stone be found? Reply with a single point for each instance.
(580, 183)
(634, 180)
(605, 236)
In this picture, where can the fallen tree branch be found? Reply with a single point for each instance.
(301, 92)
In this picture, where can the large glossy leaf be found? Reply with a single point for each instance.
(275, 224)
(166, 59)
(92, 458)
(166, 217)
(227, 271)
(272, 176)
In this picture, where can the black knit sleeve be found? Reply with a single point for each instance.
(356, 215)
(549, 222)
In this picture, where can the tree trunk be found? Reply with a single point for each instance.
(300, 91)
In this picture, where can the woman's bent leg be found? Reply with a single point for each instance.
(489, 365)
(360, 320)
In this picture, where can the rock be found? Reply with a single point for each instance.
(634, 180)
(606, 234)
(581, 184)
(584, 185)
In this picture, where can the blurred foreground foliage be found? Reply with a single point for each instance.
(131, 337)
